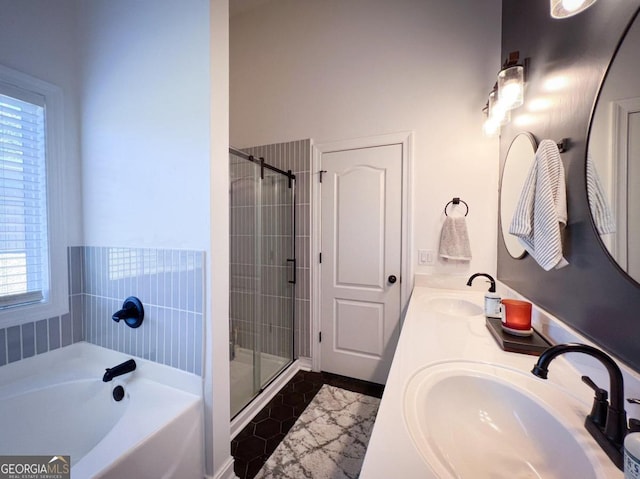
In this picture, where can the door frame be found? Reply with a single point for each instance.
(620, 111)
(403, 138)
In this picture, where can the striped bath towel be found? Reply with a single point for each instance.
(598, 203)
(541, 212)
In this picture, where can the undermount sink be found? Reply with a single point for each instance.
(475, 420)
(454, 306)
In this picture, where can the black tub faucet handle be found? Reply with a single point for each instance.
(132, 312)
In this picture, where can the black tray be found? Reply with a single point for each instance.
(533, 344)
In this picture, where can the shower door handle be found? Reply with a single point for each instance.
(293, 261)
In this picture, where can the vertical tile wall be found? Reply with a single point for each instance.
(170, 284)
(243, 269)
(294, 156)
(36, 337)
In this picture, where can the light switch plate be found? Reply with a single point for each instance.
(426, 256)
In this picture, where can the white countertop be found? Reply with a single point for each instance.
(427, 338)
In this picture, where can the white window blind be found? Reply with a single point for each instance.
(24, 261)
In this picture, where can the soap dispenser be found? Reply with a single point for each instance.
(632, 456)
(632, 448)
(491, 298)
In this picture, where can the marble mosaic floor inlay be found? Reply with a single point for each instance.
(329, 439)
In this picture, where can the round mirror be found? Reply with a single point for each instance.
(613, 157)
(519, 159)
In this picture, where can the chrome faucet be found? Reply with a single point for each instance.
(607, 422)
(492, 287)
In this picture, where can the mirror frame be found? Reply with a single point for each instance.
(596, 104)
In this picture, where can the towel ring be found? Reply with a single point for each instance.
(456, 201)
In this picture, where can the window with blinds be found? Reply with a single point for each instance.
(24, 255)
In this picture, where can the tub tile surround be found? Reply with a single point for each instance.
(30, 338)
(170, 284)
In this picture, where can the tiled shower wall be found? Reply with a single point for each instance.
(170, 284)
(261, 242)
(294, 156)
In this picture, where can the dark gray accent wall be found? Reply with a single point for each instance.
(591, 294)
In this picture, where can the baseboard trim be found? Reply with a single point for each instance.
(226, 471)
(305, 364)
(248, 413)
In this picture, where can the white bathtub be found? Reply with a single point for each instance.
(57, 404)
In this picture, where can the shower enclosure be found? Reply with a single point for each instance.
(262, 274)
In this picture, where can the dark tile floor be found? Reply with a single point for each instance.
(254, 444)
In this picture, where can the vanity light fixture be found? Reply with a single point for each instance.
(507, 94)
(496, 114)
(569, 8)
(511, 82)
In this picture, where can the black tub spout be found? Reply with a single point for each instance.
(119, 370)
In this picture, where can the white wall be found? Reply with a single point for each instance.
(145, 123)
(340, 69)
(155, 115)
(218, 453)
(38, 38)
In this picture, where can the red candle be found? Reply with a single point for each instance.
(516, 314)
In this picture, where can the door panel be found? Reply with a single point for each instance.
(351, 319)
(359, 215)
(361, 247)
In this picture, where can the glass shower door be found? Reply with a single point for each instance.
(262, 277)
(277, 275)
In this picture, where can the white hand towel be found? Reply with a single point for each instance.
(454, 239)
(542, 209)
(602, 217)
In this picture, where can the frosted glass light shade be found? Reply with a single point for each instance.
(497, 116)
(490, 128)
(569, 8)
(498, 112)
(511, 87)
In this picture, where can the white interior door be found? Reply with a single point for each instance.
(361, 221)
(626, 167)
(633, 195)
